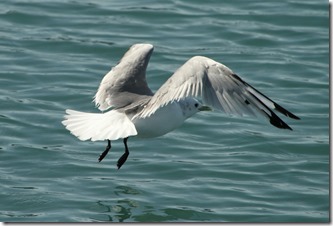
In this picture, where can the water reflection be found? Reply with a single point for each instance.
(120, 210)
(131, 208)
(116, 212)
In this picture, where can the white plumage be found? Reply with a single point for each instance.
(96, 126)
(137, 111)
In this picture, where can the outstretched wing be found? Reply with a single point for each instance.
(219, 88)
(126, 82)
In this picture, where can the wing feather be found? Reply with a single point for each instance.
(125, 83)
(218, 87)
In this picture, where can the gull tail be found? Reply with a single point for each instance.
(111, 125)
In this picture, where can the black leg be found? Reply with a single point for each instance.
(107, 149)
(123, 158)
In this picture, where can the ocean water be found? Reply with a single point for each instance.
(215, 168)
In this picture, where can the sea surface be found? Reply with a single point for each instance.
(215, 168)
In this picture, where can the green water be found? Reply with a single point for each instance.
(215, 168)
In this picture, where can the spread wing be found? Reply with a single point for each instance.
(126, 82)
(219, 88)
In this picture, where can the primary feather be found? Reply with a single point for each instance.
(218, 87)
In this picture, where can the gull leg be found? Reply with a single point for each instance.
(123, 158)
(107, 149)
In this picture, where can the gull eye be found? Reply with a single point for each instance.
(196, 105)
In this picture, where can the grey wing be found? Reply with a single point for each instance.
(219, 88)
(126, 82)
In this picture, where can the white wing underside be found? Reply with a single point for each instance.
(111, 125)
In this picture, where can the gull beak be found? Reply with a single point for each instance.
(204, 108)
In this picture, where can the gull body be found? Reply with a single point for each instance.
(166, 118)
(134, 110)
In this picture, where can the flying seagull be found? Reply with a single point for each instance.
(137, 111)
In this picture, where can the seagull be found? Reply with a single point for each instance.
(129, 107)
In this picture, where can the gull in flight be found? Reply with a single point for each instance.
(134, 110)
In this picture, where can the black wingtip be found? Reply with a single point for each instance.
(285, 112)
(277, 122)
(273, 118)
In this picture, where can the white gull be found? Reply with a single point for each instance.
(137, 111)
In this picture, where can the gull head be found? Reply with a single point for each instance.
(191, 106)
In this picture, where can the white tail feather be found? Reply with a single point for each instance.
(99, 126)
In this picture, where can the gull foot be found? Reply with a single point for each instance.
(107, 149)
(122, 159)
